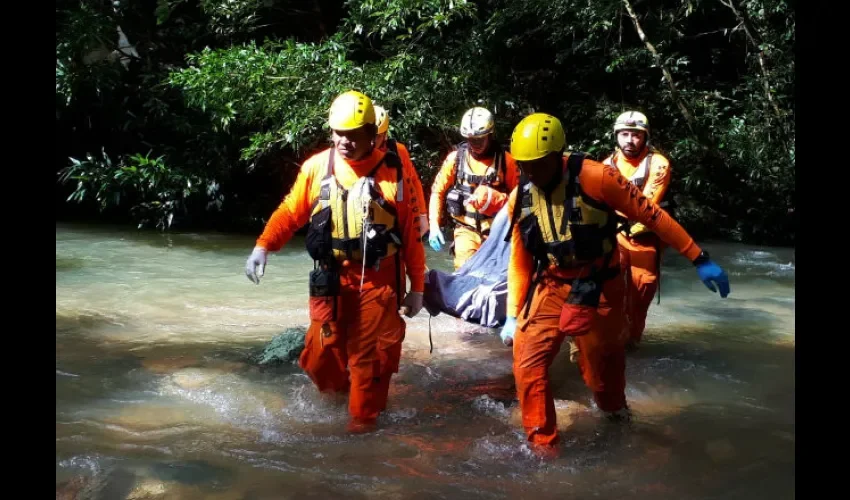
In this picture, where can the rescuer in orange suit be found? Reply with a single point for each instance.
(385, 143)
(640, 248)
(473, 183)
(363, 240)
(564, 277)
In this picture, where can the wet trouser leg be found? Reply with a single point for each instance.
(638, 259)
(324, 357)
(538, 340)
(367, 340)
(374, 351)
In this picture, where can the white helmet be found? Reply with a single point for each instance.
(477, 122)
(632, 120)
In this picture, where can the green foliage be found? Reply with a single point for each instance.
(235, 93)
(289, 88)
(83, 41)
(404, 20)
(158, 192)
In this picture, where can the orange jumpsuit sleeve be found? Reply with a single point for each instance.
(442, 182)
(416, 193)
(607, 185)
(294, 211)
(520, 265)
(488, 200)
(414, 251)
(512, 172)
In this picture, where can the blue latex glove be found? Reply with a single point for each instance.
(435, 238)
(711, 274)
(508, 330)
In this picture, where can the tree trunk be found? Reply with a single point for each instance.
(754, 41)
(689, 117)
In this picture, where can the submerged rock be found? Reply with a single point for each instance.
(74, 488)
(720, 449)
(195, 378)
(283, 348)
(148, 489)
(169, 364)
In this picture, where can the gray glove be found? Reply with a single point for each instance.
(412, 304)
(257, 258)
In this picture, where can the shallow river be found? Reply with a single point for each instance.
(157, 395)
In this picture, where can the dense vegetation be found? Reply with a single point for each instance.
(203, 120)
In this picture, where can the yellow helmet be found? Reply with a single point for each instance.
(351, 110)
(632, 120)
(536, 136)
(477, 122)
(382, 119)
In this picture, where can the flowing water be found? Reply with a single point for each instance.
(157, 395)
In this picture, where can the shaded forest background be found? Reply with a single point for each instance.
(198, 113)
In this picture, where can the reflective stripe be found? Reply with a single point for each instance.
(489, 199)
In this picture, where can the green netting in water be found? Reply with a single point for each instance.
(284, 348)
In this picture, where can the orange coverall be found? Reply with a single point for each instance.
(640, 252)
(538, 339)
(467, 241)
(363, 348)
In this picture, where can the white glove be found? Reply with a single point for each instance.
(508, 331)
(412, 304)
(257, 259)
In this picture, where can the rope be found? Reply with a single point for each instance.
(431, 342)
